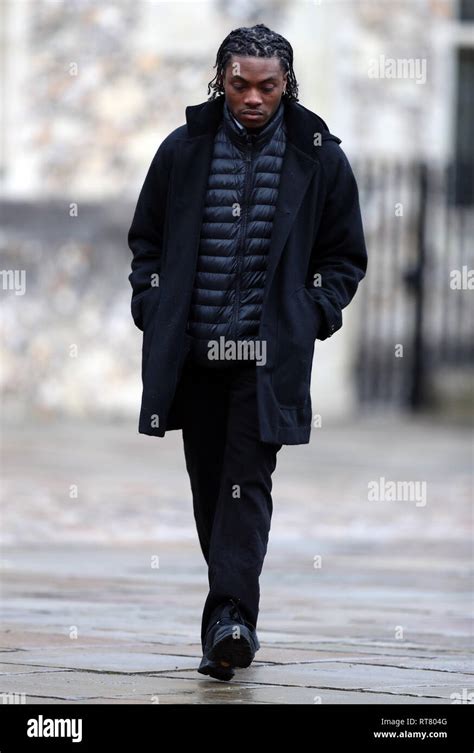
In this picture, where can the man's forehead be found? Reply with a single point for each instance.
(247, 66)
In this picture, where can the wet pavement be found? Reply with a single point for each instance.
(362, 600)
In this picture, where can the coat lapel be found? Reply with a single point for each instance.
(190, 181)
(296, 173)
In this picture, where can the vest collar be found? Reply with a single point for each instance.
(242, 136)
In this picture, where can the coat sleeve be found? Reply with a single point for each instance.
(339, 253)
(145, 236)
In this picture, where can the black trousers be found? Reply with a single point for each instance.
(230, 471)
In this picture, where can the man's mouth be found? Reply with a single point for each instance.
(253, 115)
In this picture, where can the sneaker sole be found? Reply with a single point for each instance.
(237, 651)
(211, 669)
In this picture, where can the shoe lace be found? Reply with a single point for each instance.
(234, 612)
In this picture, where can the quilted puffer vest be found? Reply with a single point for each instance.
(239, 207)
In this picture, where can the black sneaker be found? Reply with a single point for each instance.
(231, 639)
(216, 669)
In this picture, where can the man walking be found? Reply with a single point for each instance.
(247, 243)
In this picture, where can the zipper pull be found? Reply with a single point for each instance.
(249, 141)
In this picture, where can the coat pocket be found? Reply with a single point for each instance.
(143, 305)
(314, 313)
(298, 327)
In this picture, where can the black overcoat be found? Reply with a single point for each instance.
(316, 259)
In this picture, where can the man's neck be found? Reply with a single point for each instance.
(244, 129)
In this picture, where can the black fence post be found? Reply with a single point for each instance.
(416, 395)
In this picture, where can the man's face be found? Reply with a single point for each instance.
(253, 88)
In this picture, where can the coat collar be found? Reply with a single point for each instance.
(301, 123)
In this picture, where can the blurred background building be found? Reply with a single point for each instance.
(89, 91)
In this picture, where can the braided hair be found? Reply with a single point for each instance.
(255, 41)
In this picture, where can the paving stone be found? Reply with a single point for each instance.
(104, 660)
(106, 688)
(362, 677)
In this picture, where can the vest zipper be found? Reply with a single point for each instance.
(241, 246)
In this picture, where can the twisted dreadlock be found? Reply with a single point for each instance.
(255, 41)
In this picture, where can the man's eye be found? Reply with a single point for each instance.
(239, 87)
(268, 89)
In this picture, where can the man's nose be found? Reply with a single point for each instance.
(253, 99)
